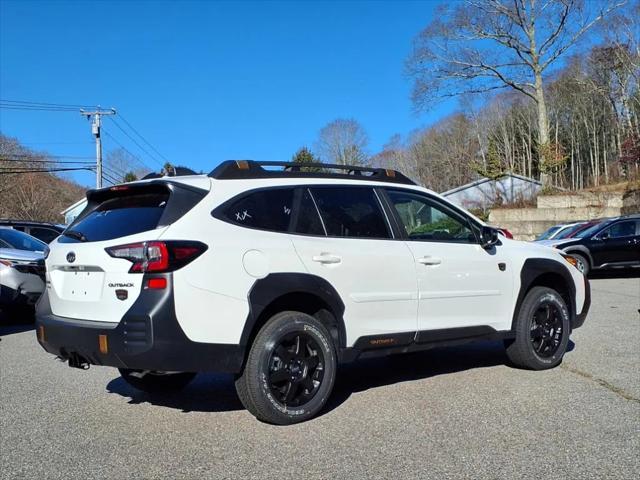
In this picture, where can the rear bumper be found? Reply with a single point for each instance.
(148, 337)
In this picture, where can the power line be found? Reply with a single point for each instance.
(21, 160)
(36, 156)
(136, 142)
(144, 139)
(49, 170)
(134, 156)
(48, 104)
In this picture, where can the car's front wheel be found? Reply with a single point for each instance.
(582, 263)
(542, 330)
(156, 382)
(290, 370)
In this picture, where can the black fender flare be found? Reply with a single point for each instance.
(275, 285)
(532, 269)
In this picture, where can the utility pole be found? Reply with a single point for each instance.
(95, 130)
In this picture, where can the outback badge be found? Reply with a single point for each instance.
(122, 294)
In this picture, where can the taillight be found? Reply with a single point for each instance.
(158, 257)
(506, 233)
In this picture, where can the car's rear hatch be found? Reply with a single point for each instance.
(83, 280)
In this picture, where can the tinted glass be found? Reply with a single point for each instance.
(351, 212)
(308, 221)
(567, 232)
(120, 217)
(44, 234)
(424, 219)
(264, 209)
(21, 241)
(548, 233)
(592, 230)
(4, 244)
(621, 229)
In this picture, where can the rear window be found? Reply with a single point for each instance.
(120, 217)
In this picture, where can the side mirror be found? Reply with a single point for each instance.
(605, 235)
(488, 236)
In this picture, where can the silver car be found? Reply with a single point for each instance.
(21, 268)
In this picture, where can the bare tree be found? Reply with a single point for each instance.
(343, 141)
(122, 166)
(478, 46)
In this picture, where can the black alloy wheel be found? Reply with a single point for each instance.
(296, 369)
(546, 330)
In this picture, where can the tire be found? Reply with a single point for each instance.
(290, 370)
(154, 382)
(583, 263)
(542, 330)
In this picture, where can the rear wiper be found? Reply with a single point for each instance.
(75, 234)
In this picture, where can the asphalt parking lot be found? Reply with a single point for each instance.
(447, 413)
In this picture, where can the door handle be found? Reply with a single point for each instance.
(326, 258)
(428, 260)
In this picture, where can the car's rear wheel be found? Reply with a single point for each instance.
(542, 330)
(290, 370)
(156, 382)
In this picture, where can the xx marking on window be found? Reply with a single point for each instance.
(242, 216)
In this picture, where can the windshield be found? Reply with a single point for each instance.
(21, 241)
(548, 233)
(592, 230)
(566, 233)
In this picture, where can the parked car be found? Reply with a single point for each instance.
(277, 276)
(21, 268)
(555, 231)
(46, 232)
(611, 243)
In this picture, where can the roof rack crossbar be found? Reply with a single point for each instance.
(246, 169)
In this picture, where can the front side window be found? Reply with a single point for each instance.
(620, 229)
(264, 209)
(424, 219)
(351, 212)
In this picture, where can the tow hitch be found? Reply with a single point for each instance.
(75, 361)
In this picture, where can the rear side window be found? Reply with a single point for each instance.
(307, 219)
(351, 212)
(121, 216)
(265, 209)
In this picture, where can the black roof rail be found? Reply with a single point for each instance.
(248, 169)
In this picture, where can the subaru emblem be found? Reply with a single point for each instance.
(71, 257)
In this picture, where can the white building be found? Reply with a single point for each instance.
(72, 211)
(486, 193)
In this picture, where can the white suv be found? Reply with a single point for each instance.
(279, 275)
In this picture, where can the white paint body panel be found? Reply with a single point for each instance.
(383, 287)
(375, 278)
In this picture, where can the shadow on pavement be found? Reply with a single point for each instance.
(16, 321)
(206, 393)
(216, 393)
(601, 274)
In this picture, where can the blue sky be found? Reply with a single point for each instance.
(207, 81)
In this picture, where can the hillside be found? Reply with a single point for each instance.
(30, 195)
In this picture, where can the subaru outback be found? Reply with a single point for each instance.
(277, 273)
